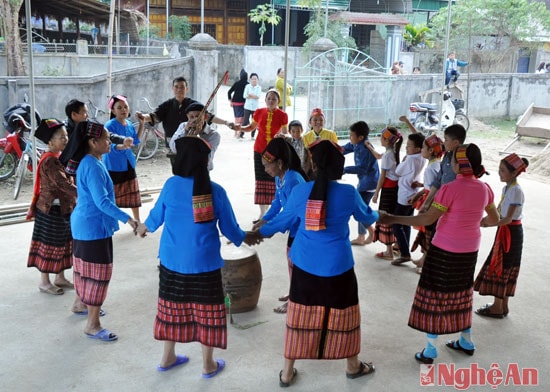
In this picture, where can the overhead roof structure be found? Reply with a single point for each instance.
(85, 10)
(340, 5)
(362, 18)
(89, 10)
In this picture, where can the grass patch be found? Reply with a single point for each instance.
(492, 129)
(503, 125)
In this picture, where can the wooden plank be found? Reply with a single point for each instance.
(535, 123)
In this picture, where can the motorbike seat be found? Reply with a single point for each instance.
(428, 106)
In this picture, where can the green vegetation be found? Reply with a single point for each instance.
(52, 71)
(418, 36)
(180, 28)
(154, 32)
(315, 28)
(495, 29)
(493, 129)
(263, 14)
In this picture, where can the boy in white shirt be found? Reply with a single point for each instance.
(410, 176)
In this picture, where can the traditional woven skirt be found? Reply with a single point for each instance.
(126, 188)
(191, 308)
(264, 191)
(127, 194)
(93, 267)
(238, 112)
(505, 285)
(323, 317)
(51, 248)
(424, 238)
(388, 202)
(444, 295)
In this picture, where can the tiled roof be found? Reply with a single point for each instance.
(370, 19)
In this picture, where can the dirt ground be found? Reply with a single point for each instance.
(152, 173)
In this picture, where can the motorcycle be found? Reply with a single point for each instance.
(425, 119)
(16, 122)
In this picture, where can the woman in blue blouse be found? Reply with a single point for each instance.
(281, 161)
(323, 288)
(120, 160)
(191, 301)
(93, 223)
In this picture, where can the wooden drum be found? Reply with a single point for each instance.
(241, 277)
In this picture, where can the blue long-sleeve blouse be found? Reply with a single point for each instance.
(325, 252)
(187, 247)
(96, 215)
(282, 193)
(117, 160)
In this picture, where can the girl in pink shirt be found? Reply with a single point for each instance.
(444, 295)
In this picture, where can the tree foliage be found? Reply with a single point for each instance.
(495, 29)
(154, 31)
(504, 20)
(418, 36)
(263, 14)
(180, 27)
(315, 28)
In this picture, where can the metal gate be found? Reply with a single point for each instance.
(348, 85)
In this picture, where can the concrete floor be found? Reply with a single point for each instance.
(43, 346)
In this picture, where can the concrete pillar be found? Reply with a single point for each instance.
(321, 87)
(202, 47)
(82, 47)
(393, 44)
(12, 92)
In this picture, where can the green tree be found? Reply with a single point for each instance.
(10, 28)
(180, 27)
(263, 14)
(154, 32)
(501, 27)
(315, 28)
(418, 36)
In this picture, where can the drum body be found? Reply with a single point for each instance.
(241, 276)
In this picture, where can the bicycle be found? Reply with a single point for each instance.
(12, 145)
(149, 142)
(25, 162)
(97, 111)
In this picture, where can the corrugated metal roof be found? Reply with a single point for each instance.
(362, 18)
(341, 5)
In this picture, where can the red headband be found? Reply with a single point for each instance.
(516, 162)
(317, 112)
(464, 166)
(436, 144)
(392, 138)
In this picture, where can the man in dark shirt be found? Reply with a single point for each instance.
(172, 112)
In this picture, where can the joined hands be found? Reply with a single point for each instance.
(253, 238)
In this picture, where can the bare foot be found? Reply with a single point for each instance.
(50, 289)
(92, 331)
(62, 282)
(360, 240)
(418, 263)
(79, 308)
